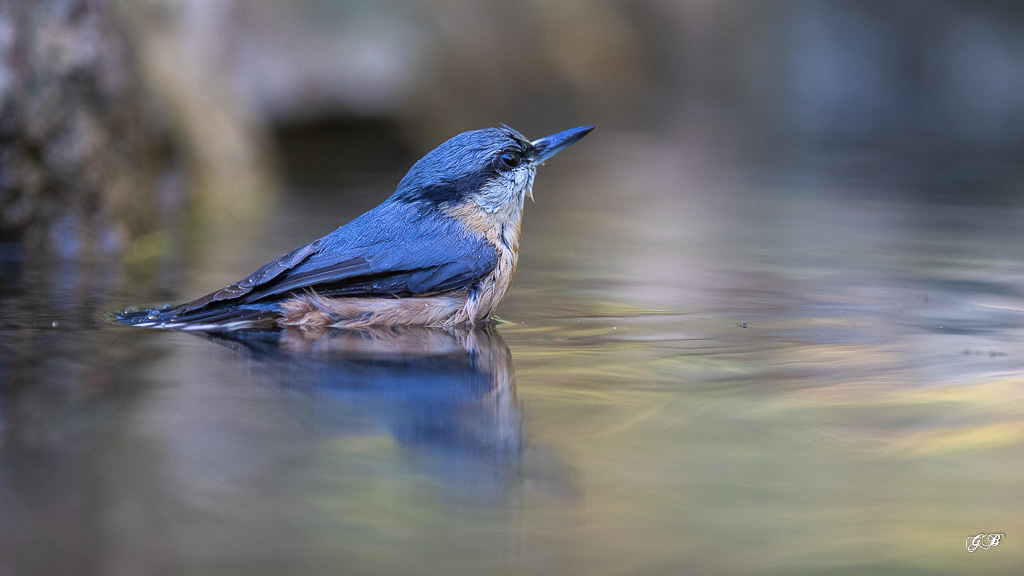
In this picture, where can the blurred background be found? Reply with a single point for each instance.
(114, 116)
(768, 317)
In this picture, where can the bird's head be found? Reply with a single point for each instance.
(492, 168)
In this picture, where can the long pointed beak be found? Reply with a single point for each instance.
(548, 146)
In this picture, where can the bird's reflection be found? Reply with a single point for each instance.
(448, 396)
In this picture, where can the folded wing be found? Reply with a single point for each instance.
(396, 249)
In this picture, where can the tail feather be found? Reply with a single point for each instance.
(218, 318)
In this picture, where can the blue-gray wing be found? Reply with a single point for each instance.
(396, 249)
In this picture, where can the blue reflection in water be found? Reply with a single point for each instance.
(447, 395)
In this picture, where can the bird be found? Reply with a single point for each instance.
(440, 251)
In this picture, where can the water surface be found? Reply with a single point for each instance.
(691, 374)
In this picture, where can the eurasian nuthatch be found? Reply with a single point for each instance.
(440, 251)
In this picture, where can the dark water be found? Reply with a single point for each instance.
(691, 375)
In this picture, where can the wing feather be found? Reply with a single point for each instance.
(398, 248)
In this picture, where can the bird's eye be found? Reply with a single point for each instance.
(511, 159)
